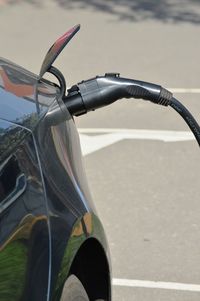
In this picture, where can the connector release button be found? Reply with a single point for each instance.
(112, 74)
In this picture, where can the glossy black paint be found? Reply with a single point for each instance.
(23, 220)
(48, 224)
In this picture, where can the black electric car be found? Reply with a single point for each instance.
(52, 243)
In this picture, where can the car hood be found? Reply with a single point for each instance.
(24, 100)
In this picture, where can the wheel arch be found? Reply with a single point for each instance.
(91, 267)
(86, 256)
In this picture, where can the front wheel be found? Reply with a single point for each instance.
(74, 290)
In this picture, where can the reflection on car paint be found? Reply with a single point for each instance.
(23, 99)
(12, 189)
(23, 216)
(10, 137)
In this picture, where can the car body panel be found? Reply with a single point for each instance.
(46, 210)
(23, 99)
(23, 218)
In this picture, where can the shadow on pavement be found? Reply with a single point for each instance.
(167, 11)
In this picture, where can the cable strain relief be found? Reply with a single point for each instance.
(165, 97)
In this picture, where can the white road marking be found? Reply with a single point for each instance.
(183, 90)
(106, 137)
(156, 285)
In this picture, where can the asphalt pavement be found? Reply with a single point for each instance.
(146, 189)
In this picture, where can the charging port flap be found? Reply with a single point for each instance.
(56, 49)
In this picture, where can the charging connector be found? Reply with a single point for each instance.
(101, 91)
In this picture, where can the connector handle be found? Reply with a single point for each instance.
(151, 92)
(101, 91)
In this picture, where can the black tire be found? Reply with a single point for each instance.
(74, 291)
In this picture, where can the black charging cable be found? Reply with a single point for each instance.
(101, 91)
(187, 116)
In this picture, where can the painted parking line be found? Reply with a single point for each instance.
(184, 90)
(107, 137)
(156, 285)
